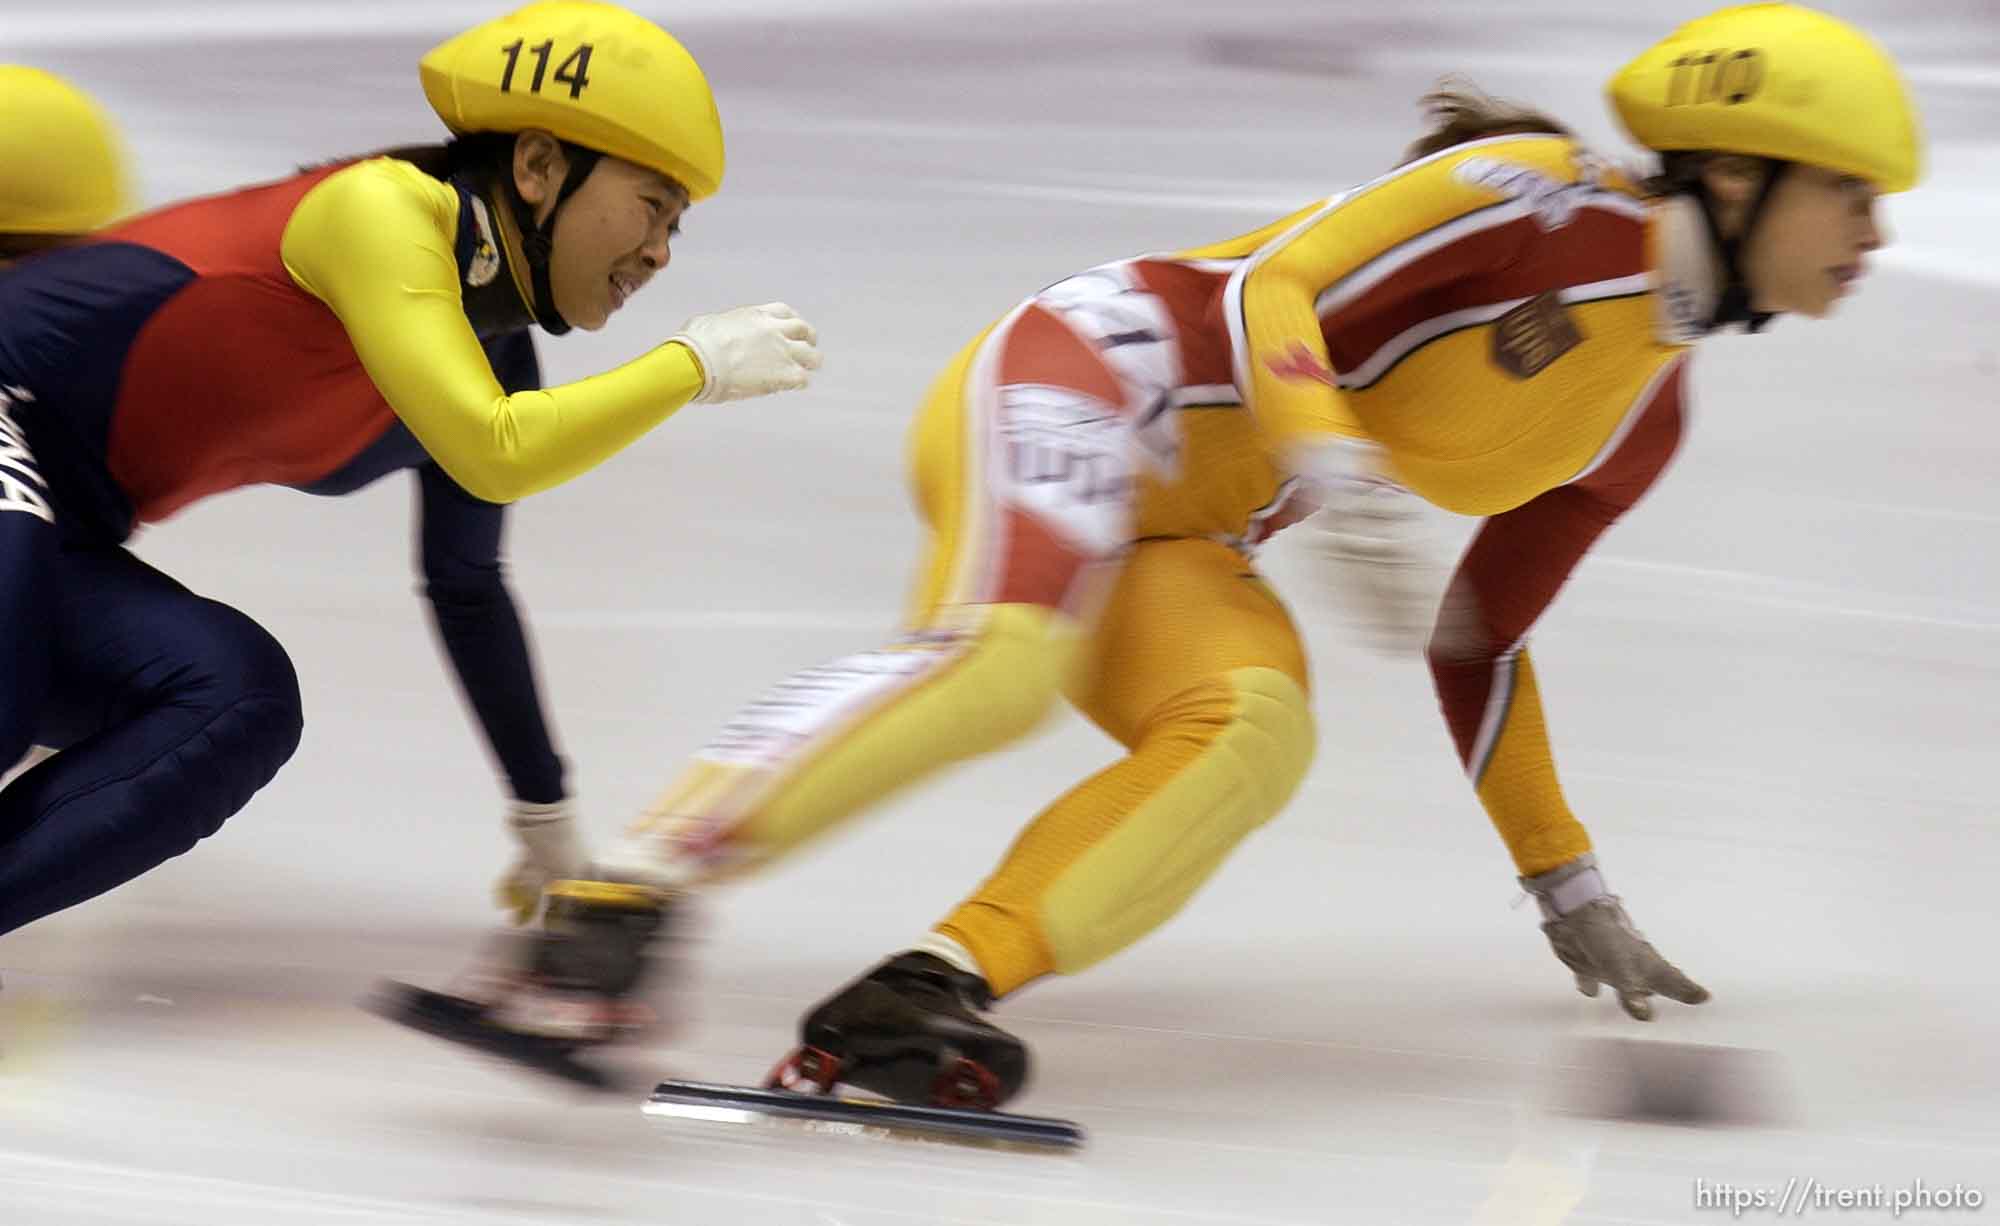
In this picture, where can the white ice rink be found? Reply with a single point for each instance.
(1773, 690)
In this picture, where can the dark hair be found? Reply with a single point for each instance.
(1681, 169)
(15, 246)
(484, 150)
(1460, 111)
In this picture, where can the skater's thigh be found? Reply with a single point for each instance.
(1183, 613)
(29, 543)
(131, 641)
(940, 481)
(171, 711)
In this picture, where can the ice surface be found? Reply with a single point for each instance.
(1773, 690)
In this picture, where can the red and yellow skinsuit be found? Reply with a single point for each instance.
(317, 332)
(1096, 470)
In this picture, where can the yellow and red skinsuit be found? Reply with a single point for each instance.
(1096, 470)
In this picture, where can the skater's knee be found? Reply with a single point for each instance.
(1250, 727)
(262, 687)
(1227, 756)
(990, 674)
(232, 759)
(218, 770)
(830, 741)
(1023, 655)
(271, 724)
(224, 660)
(244, 682)
(1274, 733)
(244, 658)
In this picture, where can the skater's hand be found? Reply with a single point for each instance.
(751, 351)
(551, 850)
(1599, 945)
(1372, 555)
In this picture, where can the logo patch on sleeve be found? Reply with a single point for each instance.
(1533, 335)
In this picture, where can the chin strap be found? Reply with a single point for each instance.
(1733, 305)
(537, 241)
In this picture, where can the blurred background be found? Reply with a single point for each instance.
(1772, 689)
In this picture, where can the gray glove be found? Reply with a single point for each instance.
(1589, 930)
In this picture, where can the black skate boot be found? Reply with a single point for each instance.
(910, 1030)
(565, 989)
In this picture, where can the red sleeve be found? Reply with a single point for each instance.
(1512, 571)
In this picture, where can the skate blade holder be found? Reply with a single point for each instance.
(1655, 1081)
(800, 1090)
(962, 1085)
(827, 1113)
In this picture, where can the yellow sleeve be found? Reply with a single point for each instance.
(1393, 239)
(374, 242)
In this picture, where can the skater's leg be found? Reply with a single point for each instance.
(173, 711)
(1486, 685)
(28, 544)
(1197, 669)
(1516, 564)
(1023, 466)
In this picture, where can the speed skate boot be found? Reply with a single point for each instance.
(572, 986)
(585, 968)
(911, 1030)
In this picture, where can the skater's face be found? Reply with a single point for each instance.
(614, 232)
(1809, 248)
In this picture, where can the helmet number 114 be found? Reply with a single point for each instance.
(573, 71)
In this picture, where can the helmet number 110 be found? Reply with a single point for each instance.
(1715, 76)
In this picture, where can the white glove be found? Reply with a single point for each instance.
(551, 850)
(750, 351)
(1371, 546)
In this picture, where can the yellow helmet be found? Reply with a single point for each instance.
(1778, 81)
(592, 74)
(62, 166)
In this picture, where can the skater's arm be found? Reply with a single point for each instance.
(1510, 574)
(1486, 680)
(1368, 252)
(375, 243)
(475, 613)
(481, 630)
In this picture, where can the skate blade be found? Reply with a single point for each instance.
(696, 1100)
(461, 1021)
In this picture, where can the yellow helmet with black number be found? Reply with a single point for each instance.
(591, 74)
(1779, 81)
(62, 166)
